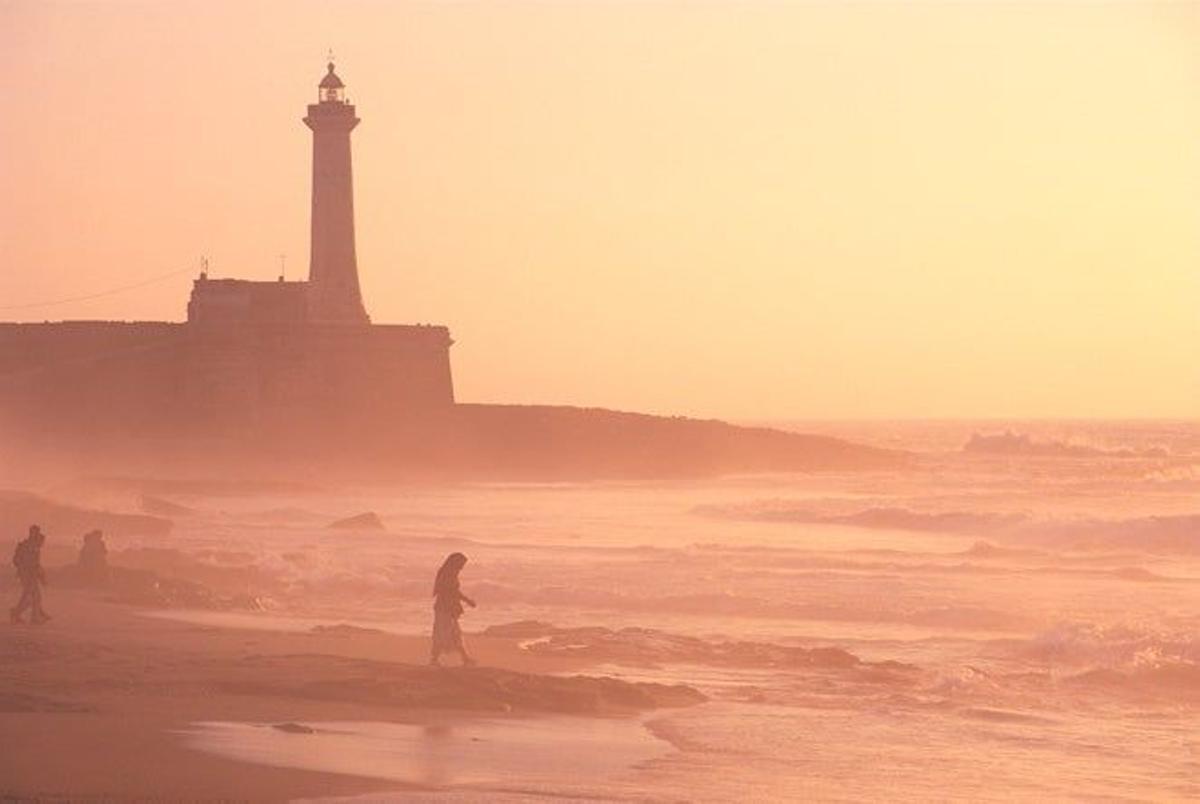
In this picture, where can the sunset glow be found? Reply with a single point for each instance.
(752, 211)
(589, 400)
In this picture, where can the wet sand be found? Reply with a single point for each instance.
(97, 704)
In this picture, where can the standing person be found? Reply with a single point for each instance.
(447, 608)
(27, 558)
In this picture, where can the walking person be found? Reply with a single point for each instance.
(447, 608)
(27, 558)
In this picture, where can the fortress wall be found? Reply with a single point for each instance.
(320, 380)
(400, 368)
(221, 387)
(88, 376)
(279, 382)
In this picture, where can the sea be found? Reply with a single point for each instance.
(1013, 614)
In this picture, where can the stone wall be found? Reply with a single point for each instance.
(316, 378)
(89, 376)
(290, 381)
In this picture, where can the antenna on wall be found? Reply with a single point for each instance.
(203, 267)
(282, 267)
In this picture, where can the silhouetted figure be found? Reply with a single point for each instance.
(447, 608)
(27, 558)
(93, 558)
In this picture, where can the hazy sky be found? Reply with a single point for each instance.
(746, 210)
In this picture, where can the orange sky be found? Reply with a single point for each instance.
(731, 209)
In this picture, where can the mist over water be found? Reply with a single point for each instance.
(986, 624)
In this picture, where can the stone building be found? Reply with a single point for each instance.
(252, 356)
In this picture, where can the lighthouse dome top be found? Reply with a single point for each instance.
(331, 81)
(331, 87)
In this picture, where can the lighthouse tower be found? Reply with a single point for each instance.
(333, 293)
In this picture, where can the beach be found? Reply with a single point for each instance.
(1013, 616)
(98, 704)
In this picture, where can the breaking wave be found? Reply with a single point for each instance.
(642, 645)
(1020, 444)
(725, 604)
(874, 518)
(1113, 646)
(1131, 658)
(1165, 534)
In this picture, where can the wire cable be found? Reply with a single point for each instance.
(101, 294)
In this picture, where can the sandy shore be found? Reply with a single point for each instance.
(93, 704)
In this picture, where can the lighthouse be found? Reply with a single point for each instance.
(333, 292)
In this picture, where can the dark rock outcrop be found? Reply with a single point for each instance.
(365, 521)
(66, 523)
(492, 689)
(158, 506)
(541, 441)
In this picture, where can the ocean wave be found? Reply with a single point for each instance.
(1114, 646)
(1159, 534)
(1122, 658)
(1155, 534)
(1010, 443)
(649, 647)
(1173, 680)
(875, 518)
(965, 680)
(1181, 477)
(993, 715)
(724, 604)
